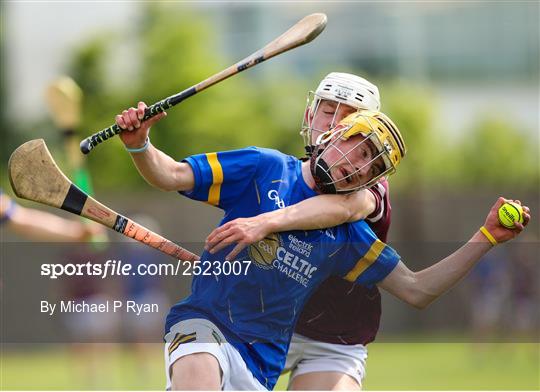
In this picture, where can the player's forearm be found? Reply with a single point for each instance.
(163, 172)
(437, 279)
(421, 288)
(314, 213)
(42, 226)
(321, 212)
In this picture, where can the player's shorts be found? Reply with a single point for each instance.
(201, 336)
(307, 356)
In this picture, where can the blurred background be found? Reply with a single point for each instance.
(461, 80)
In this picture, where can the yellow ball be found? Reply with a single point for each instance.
(509, 213)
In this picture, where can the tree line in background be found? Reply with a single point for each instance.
(169, 50)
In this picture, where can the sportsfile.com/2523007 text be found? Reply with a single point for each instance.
(112, 268)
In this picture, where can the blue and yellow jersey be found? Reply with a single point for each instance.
(257, 311)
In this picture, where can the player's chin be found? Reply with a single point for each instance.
(348, 188)
(341, 185)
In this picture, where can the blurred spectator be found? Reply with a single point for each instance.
(490, 290)
(43, 226)
(146, 329)
(90, 334)
(524, 290)
(83, 328)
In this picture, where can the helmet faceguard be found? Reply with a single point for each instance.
(341, 89)
(363, 148)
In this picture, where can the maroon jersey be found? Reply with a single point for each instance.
(343, 312)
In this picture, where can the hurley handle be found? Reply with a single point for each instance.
(99, 137)
(304, 31)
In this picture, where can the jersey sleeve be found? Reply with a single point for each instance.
(379, 220)
(365, 260)
(222, 177)
(378, 192)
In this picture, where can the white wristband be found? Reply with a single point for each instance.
(140, 149)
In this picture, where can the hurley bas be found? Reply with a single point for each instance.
(103, 307)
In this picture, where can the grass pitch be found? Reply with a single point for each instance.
(403, 366)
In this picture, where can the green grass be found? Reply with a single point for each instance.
(404, 366)
(451, 366)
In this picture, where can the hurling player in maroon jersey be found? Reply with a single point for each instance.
(328, 350)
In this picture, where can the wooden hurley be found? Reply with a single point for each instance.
(304, 31)
(34, 175)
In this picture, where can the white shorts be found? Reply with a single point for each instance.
(307, 356)
(201, 336)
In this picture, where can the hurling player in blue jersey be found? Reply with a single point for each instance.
(233, 331)
(328, 350)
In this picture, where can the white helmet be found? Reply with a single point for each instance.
(343, 88)
(351, 90)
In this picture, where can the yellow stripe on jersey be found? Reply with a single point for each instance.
(217, 178)
(371, 255)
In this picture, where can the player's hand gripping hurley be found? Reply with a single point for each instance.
(301, 33)
(35, 176)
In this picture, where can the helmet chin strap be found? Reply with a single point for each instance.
(309, 150)
(321, 174)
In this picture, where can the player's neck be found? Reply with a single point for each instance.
(308, 177)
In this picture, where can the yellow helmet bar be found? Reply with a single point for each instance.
(388, 138)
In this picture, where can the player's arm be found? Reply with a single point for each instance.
(320, 212)
(423, 287)
(156, 167)
(314, 213)
(43, 226)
